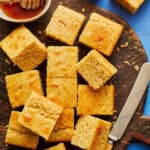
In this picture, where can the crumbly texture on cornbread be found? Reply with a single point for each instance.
(40, 115)
(60, 146)
(62, 91)
(131, 5)
(95, 102)
(24, 49)
(18, 135)
(101, 138)
(95, 69)
(64, 128)
(62, 61)
(20, 85)
(85, 132)
(65, 25)
(91, 133)
(101, 33)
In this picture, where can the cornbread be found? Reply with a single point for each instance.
(40, 115)
(62, 91)
(65, 25)
(101, 33)
(64, 128)
(18, 135)
(87, 133)
(20, 85)
(95, 69)
(60, 146)
(131, 5)
(62, 61)
(101, 138)
(95, 102)
(24, 49)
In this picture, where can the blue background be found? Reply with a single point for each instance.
(140, 22)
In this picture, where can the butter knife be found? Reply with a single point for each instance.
(130, 106)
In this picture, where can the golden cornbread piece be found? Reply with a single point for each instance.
(60, 146)
(131, 5)
(64, 128)
(40, 115)
(101, 33)
(65, 25)
(95, 69)
(91, 133)
(95, 102)
(20, 85)
(101, 138)
(24, 49)
(62, 91)
(18, 135)
(62, 61)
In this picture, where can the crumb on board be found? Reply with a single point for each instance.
(7, 61)
(136, 68)
(39, 32)
(118, 49)
(126, 62)
(83, 10)
(124, 45)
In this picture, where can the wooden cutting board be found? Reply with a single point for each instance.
(128, 56)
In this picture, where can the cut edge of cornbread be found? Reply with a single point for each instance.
(17, 135)
(131, 7)
(86, 107)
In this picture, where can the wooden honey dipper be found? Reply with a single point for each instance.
(26, 4)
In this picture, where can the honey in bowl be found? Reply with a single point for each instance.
(16, 12)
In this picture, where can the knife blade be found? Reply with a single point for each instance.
(131, 104)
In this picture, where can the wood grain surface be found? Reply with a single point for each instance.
(128, 59)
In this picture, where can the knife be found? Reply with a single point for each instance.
(130, 106)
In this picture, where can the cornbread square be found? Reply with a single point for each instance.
(60, 146)
(62, 61)
(95, 69)
(95, 102)
(62, 91)
(20, 85)
(101, 138)
(131, 5)
(101, 33)
(64, 128)
(24, 49)
(65, 25)
(40, 115)
(87, 133)
(18, 135)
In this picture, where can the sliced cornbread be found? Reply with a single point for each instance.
(40, 115)
(91, 133)
(65, 25)
(61, 61)
(101, 33)
(101, 138)
(62, 91)
(131, 5)
(64, 128)
(85, 131)
(20, 86)
(95, 102)
(24, 49)
(60, 146)
(95, 69)
(18, 135)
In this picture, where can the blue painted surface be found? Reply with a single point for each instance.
(140, 22)
(138, 146)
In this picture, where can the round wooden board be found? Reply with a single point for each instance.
(133, 54)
